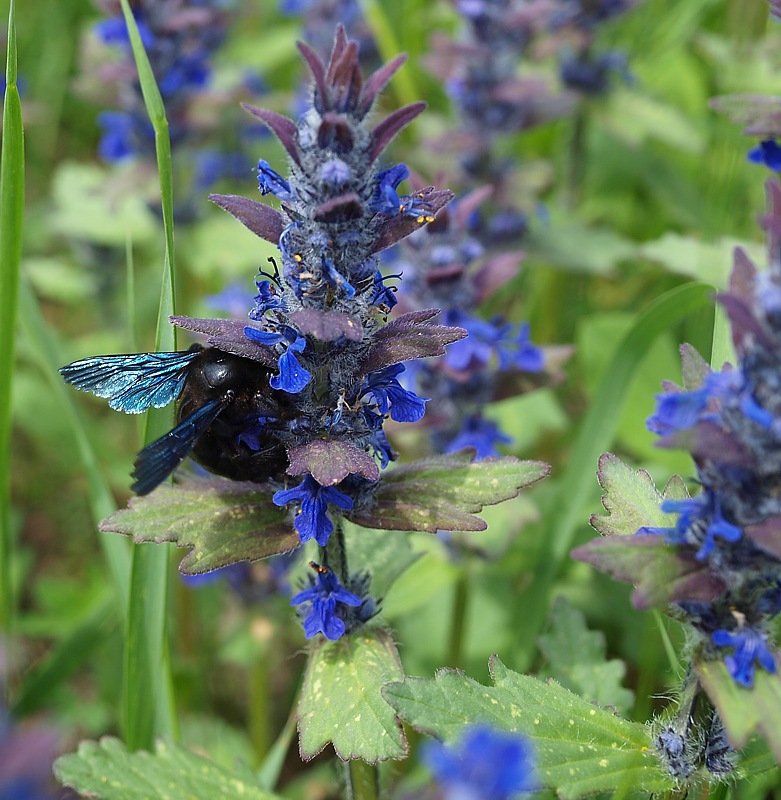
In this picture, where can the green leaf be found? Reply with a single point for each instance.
(581, 749)
(631, 499)
(444, 492)
(106, 770)
(222, 521)
(745, 711)
(341, 701)
(576, 659)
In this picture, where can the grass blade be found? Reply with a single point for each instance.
(148, 706)
(564, 512)
(11, 220)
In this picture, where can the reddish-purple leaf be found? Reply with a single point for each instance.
(328, 326)
(261, 219)
(284, 129)
(331, 461)
(228, 335)
(377, 81)
(409, 336)
(660, 573)
(390, 126)
(396, 228)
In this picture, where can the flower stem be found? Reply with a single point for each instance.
(363, 780)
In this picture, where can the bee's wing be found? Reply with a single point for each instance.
(132, 383)
(160, 458)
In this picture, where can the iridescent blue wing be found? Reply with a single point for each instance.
(132, 383)
(160, 458)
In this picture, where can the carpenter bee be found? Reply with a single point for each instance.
(219, 396)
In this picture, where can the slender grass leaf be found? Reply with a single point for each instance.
(107, 771)
(563, 512)
(66, 658)
(581, 749)
(11, 220)
(341, 702)
(45, 347)
(148, 706)
(222, 521)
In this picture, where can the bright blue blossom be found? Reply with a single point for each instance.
(485, 764)
(700, 521)
(750, 646)
(482, 434)
(391, 396)
(767, 153)
(312, 521)
(292, 376)
(271, 182)
(325, 596)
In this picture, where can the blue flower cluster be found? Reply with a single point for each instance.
(317, 321)
(581, 67)
(445, 266)
(481, 75)
(297, 399)
(179, 37)
(485, 764)
(730, 421)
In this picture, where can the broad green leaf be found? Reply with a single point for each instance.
(222, 521)
(745, 711)
(444, 492)
(107, 771)
(631, 500)
(581, 749)
(659, 571)
(576, 658)
(341, 702)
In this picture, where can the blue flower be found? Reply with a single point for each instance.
(270, 181)
(325, 595)
(121, 135)
(312, 521)
(750, 646)
(292, 376)
(486, 764)
(480, 433)
(677, 411)
(390, 395)
(113, 31)
(268, 297)
(521, 353)
(768, 153)
(700, 522)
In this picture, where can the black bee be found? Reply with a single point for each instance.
(219, 396)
